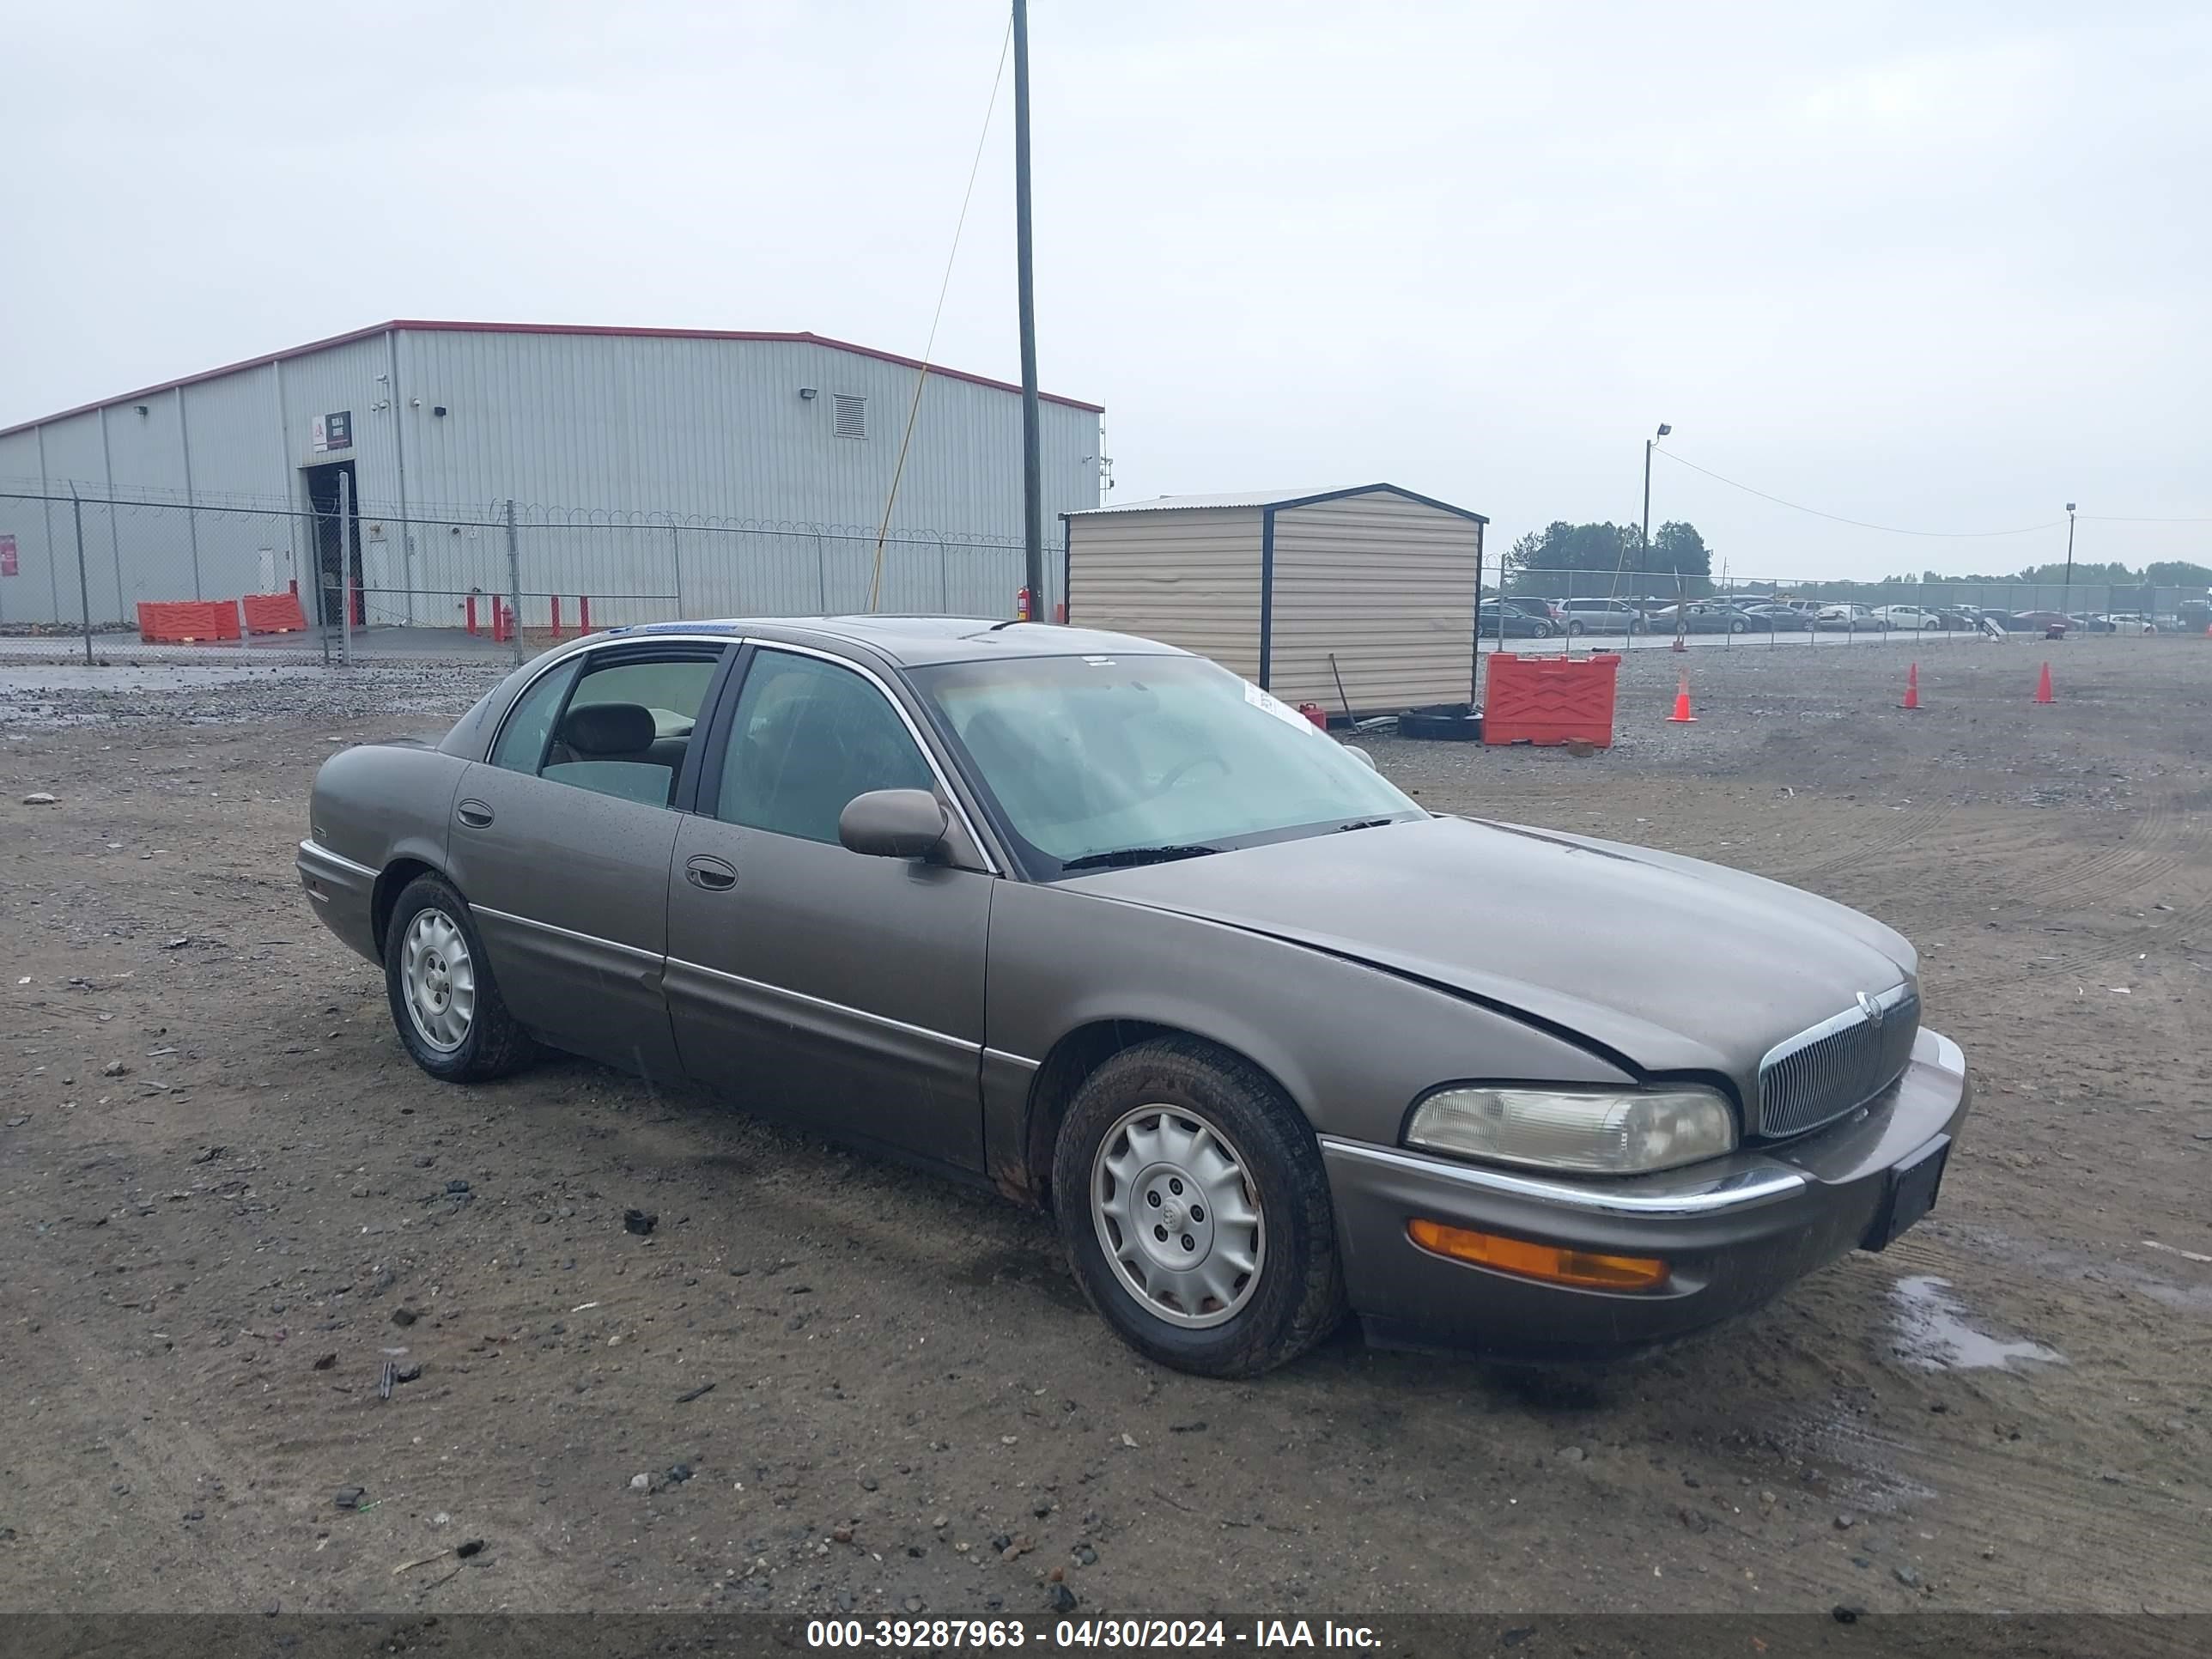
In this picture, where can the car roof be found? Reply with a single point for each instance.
(916, 641)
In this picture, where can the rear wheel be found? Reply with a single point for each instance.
(1574, 629)
(445, 1003)
(1542, 630)
(1737, 625)
(1196, 1213)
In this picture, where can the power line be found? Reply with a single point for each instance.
(913, 409)
(1861, 524)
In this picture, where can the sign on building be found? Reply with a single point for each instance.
(332, 431)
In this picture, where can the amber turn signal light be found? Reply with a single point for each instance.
(1584, 1268)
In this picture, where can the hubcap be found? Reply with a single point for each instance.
(1177, 1216)
(439, 979)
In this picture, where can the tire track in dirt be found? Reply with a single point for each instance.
(1903, 832)
(2007, 1496)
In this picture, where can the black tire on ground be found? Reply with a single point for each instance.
(496, 1045)
(1543, 631)
(1738, 626)
(1573, 630)
(1299, 1298)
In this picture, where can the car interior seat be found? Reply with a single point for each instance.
(616, 749)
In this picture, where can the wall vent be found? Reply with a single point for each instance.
(852, 416)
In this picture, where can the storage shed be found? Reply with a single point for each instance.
(1269, 584)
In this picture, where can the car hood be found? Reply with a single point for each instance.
(1670, 964)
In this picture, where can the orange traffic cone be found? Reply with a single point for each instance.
(1912, 688)
(2043, 686)
(1682, 716)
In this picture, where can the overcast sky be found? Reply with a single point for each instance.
(1941, 266)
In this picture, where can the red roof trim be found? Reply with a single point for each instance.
(424, 327)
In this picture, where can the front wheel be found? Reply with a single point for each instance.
(1574, 630)
(445, 1003)
(1196, 1213)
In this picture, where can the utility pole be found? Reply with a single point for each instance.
(2066, 600)
(1032, 463)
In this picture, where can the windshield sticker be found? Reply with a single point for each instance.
(1278, 707)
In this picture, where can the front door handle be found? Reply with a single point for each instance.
(474, 813)
(711, 874)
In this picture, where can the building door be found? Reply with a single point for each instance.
(338, 546)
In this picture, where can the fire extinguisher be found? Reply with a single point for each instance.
(1022, 605)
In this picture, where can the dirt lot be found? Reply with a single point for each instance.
(907, 1406)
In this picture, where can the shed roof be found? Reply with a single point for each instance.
(1276, 498)
(419, 326)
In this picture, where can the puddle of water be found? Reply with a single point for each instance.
(1933, 1335)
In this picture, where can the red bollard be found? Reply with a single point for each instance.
(583, 613)
(556, 601)
(498, 620)
(473, 613)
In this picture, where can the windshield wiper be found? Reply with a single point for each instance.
(1121, 855)
(1363, 824)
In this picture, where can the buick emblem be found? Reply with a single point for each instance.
(1872, 1009)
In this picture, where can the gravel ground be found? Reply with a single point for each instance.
(822, 1384)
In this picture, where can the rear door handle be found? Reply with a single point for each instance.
(474, 813)
(711, 874)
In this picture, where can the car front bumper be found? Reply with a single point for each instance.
(1734, 1232)
(344, 894)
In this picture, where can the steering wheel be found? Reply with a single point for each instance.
(1176, 773)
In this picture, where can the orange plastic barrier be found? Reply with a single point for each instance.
(187, 622)
(273, 613)
(1547, 699)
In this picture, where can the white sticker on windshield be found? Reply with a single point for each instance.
(1276, 706)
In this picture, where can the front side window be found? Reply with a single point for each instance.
(806, 738)
(1093, 759)
(629, 722)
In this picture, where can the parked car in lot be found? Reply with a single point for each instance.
(1591, 615)
(1097, 924)
(1849, 619)
(1776, 618)
(1523, 619)
(1701, 616)
(1909, 617)
(2041, 622)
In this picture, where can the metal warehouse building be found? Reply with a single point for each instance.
(1372, 587)
(657, 471)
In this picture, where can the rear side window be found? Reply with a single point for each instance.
(521, 745)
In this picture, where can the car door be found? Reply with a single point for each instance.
(561, 843)
(840, 991)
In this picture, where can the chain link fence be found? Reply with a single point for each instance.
(482, 579)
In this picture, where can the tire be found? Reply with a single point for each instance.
(1139, 1112)
(1737, 626)
(453, 1024)
(1574, 630)
(1541, 631)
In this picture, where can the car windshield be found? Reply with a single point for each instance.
(1122, 758)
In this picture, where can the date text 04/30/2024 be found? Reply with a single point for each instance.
(953, 1634)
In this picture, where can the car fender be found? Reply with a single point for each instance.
(1350, 1043)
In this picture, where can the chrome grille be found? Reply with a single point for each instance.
(1841, 1063)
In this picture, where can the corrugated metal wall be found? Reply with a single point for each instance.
(1189, 577)
(605, 440)
(1388, 585)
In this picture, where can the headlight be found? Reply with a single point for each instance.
(1583, 1131)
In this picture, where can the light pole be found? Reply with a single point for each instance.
(2066, 599)
(1649, 444)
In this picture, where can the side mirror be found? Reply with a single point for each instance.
(1360, 754)
(893, 824)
